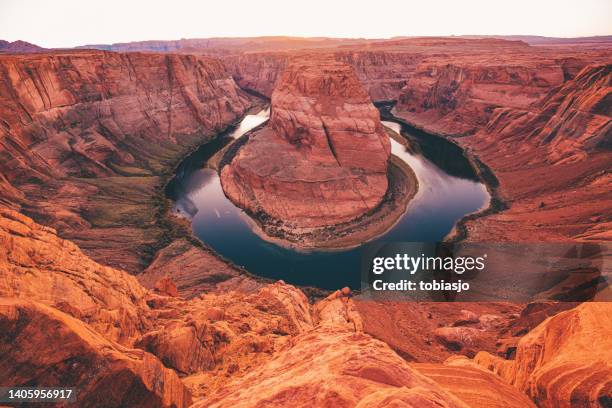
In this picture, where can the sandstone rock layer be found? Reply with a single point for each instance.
(322, 160)
(473, 385)
(552, 161)
(352, 370)
(37, 265)
(85, 138)
(45, 347)
(565, 361)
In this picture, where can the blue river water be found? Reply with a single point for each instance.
(448, 190)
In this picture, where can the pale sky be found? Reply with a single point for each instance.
(66, 23)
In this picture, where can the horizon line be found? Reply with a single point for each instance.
(316, 38)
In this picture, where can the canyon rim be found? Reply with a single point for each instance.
(185, 223)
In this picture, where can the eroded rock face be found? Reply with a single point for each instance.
(352, 369)
(195, 269)
(579, 116)
(106, 309)
(83, 113)
(322, 159)
(269, 346)
(75, 125)
(382, 73)
(457, 98)
(37, 265)
(474, 385)
(321, 106)
(573, 122)
(258, 72)
(489, 73)
(41, 345)
(552, 161)
(424, 332)
(565, 361)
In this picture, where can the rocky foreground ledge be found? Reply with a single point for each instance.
(123, 345)
(323, 159)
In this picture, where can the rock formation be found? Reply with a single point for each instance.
(257, 72)
(195, 269)
(525, 107)
(419, 331)
(455, 86)
(386, 67)
(382, 73)
(457, 98)
(322, 160)
(99, 130)
(215, 349)
(83, 113)
(473, 385)
(41, 345)
(352, 370)
(39, 266)
(578, 116)
(565, 361)
(19, 47)
(552, 162)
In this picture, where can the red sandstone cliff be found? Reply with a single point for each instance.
(458, 97)
(39, 266)
(579, 116)
(41, 345)
(565, 361)
(258, 72)
(382, 73)
(84, 114)
(494, 72)
(552, 162)
(97, 130)
(322, 159)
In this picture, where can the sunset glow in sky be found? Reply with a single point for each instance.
(66, 23)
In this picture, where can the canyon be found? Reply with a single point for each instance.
(474, 90)
(88, 138)
(568, 130)
(150, 316)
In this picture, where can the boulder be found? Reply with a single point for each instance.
(166, 286)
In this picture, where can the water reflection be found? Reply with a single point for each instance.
(446, 194)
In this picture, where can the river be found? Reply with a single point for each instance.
(448, 190)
